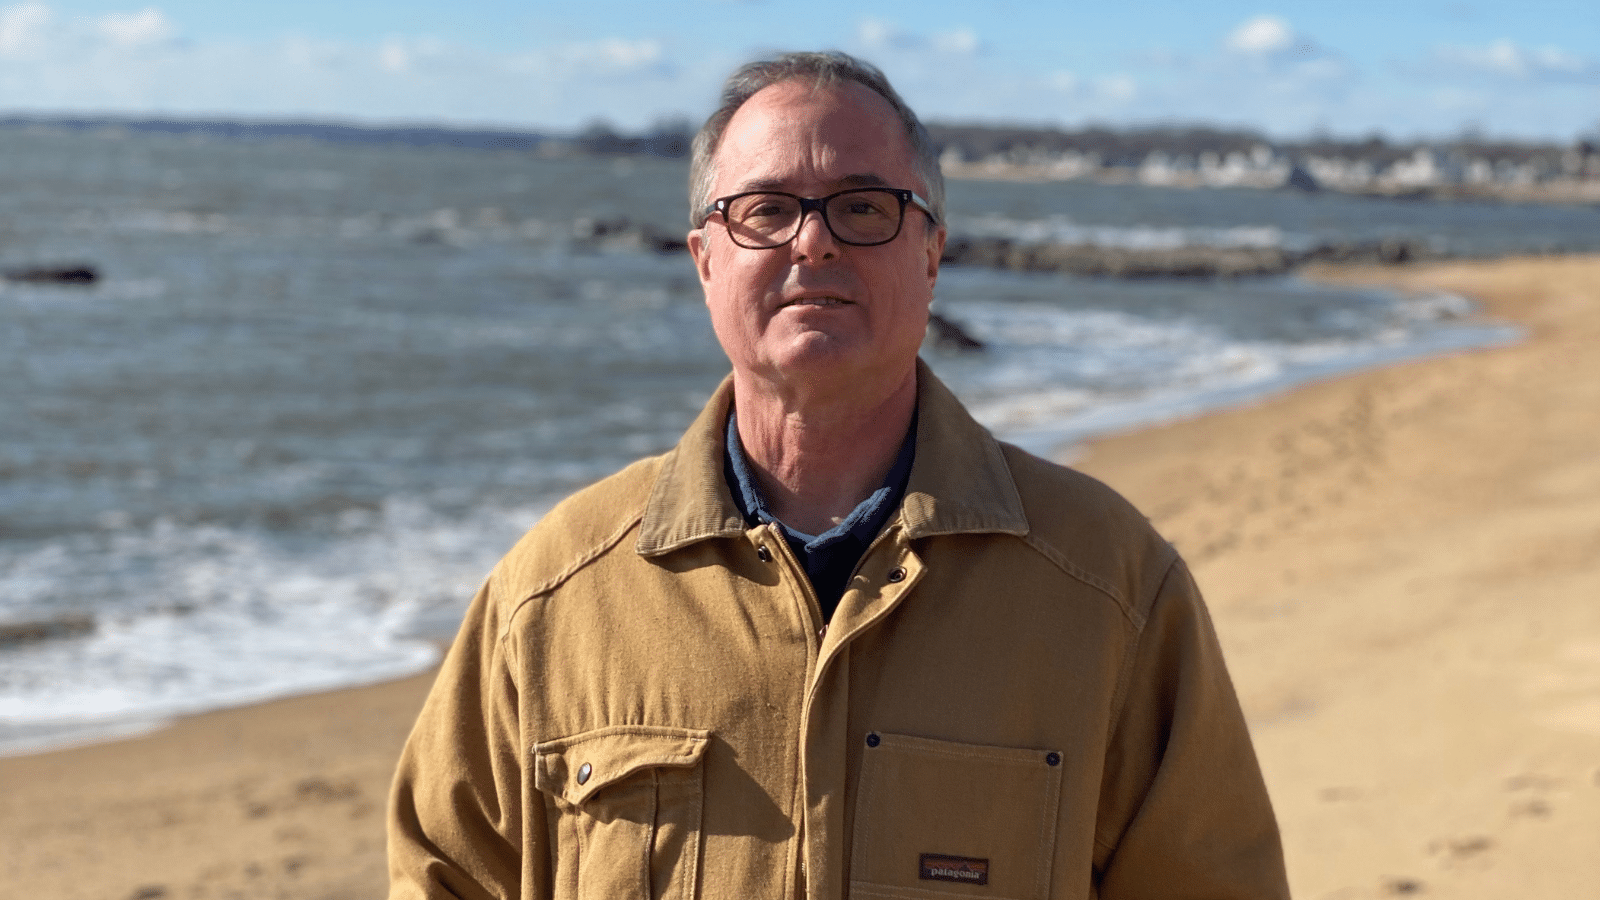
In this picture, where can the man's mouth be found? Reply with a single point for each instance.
(817, 301)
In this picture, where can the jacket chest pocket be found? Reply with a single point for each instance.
(629, 801)
(938, 819)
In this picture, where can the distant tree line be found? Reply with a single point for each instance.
(667, 139)
(332, 132)
(1113, 147)
(1128, 147)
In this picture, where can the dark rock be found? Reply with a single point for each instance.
(13, 633)
(587, 229)
(1094, 261)
(665, 243)
(965, 251)
(623, 234)
(70, 274)
(1390, 251)
(1300, 179)
(948, 334)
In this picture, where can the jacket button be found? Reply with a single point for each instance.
(584, 771)
(897, 574)
(763, 554)
(873, 739)
(1052, 758)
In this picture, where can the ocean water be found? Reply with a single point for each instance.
(321, 388)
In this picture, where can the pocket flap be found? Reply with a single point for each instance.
(937, 818)
(574, 768)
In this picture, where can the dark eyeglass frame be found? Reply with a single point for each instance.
(820, 205)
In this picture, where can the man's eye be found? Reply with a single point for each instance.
(767, 210)
(864, 208)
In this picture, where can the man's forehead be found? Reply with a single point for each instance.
(790, 126)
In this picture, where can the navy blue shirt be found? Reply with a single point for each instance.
(829, 558)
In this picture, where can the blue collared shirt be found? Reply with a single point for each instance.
(829, 558)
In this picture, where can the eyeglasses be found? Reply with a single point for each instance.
(861, 217)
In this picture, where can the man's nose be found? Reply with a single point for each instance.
(814, 241)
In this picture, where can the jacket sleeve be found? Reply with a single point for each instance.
(457, 810)
(1183, 809)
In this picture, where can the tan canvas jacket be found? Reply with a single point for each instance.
(1019, 697)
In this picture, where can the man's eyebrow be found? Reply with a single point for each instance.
(848, 181)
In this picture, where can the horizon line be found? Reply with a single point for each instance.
(671, 125)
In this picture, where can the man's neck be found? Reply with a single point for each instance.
(816, 461)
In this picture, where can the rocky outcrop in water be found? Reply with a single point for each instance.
(948, 334)
(1389, 251)
(1093, 260)
(68, 274)
(622, 234)
(1084, 260)
(1190, 261)
(18, 633)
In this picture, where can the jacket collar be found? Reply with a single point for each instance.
(959, 483)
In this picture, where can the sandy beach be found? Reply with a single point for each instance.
(1404, 566)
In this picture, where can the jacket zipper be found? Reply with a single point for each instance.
(814, 637)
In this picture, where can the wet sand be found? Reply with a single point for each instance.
(1404, 566)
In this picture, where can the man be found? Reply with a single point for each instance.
(839, 641)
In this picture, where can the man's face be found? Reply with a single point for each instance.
(817, 312)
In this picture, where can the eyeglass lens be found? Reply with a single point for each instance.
(867, 216)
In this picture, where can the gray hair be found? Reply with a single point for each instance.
(823, 70)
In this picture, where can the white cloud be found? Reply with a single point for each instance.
(628, 55)
(963, 41)
(1117, 88)
(1271, 43)
(398, 54)
(1262, 35)
(878, 35)
(145, 27)
(32, 30)
(302, 52)
(23, 29)
(1324, 69)
(1507, 59)
(393, 56)
(610, 56)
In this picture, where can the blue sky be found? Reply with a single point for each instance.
(1348, 67)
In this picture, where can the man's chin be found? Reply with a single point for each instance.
(820, 351)
(842, 363)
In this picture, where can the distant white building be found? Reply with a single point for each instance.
(1262, 167)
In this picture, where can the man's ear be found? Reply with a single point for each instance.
(701, 253)
(935, 253)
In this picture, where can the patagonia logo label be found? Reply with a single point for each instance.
(960, 869)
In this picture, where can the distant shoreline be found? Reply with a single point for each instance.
(1462, 169)
(1569, 190)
